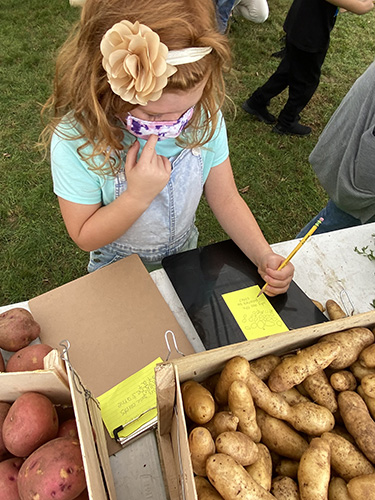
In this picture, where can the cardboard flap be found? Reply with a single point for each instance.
(115, 320)
(165, 388)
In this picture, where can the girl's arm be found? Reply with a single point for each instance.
(355, 6)
(93, 226)
(238, 222)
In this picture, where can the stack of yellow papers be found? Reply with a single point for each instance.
(129, 408)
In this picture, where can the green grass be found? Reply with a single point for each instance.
(273, 171)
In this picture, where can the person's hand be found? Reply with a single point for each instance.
(148, 176)
(277, 281)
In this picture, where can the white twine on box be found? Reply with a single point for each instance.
(65, 344)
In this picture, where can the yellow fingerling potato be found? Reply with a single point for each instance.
(271, 402)
(292, 396)
(262, 367)
(346, 459)
(237, 368)
(314, 471)
(370, 402)
(358, 422)
(242, 406)
(284, 488)
(232, 481)
(334, 311)
(238, 446)
(199, 403)
(337, 489)
(221, 422)
(287, 467)
(311, 418)
(205, 490)
(279, 437)
(201, 447)
(261, 469)
(368, 385)
(343, 380)
(294, 369)
(351, 342)
(320, 390)
(367, 356)
(362, 487)
(359, 371)
(319, 305)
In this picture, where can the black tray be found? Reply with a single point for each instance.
(200, 278)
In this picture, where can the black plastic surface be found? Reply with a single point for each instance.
(200, 278)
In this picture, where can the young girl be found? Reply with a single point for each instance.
(138, 135)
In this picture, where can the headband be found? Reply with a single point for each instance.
(138, 64)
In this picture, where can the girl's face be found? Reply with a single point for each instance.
(171, 105)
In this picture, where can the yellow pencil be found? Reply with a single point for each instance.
(293, 252)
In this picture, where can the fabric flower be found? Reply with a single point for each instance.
(135, 62)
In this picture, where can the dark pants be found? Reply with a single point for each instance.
(298, 70)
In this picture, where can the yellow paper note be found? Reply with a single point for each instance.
(129, 400)
(255, 315)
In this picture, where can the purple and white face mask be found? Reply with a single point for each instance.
(163, 129)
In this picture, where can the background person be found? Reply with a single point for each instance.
(308, 25)
(344, 159)
(255, 11)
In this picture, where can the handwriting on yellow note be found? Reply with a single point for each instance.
(255, 315)
(131, 403)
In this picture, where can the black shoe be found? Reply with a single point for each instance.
(294, 129)
(279, 54)
(262, 114)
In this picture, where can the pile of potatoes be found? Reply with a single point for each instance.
(298, 426)
(40, 453)
(40, 456)
(17, 330)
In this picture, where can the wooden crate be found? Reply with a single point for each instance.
(172, 432)
(62, 385)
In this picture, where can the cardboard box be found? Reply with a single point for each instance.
(115, 320)
(172, 432)
(62, 385)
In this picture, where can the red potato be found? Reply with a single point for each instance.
(29, 358)
(31, 421)
(4, 408)
(83, 496)
(2, 363)
(68, 429)
(9, 470)
(53, 471)
(17, 329)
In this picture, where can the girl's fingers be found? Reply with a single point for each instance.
(166, 164)
(149, 148)
(131, 155)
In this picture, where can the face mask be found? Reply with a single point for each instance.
(164, 130)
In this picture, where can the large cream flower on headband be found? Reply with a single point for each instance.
(135, 62)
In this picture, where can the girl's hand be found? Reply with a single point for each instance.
(147, 177)
(277, 281)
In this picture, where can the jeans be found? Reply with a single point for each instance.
(334, 218)
(300, 72)
(224, 8)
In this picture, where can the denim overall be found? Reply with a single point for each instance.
(167, 226)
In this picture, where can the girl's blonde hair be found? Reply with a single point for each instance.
(81, 87)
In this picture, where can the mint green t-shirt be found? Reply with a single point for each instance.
(73, 181)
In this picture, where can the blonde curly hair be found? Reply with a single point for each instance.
(81, 89)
